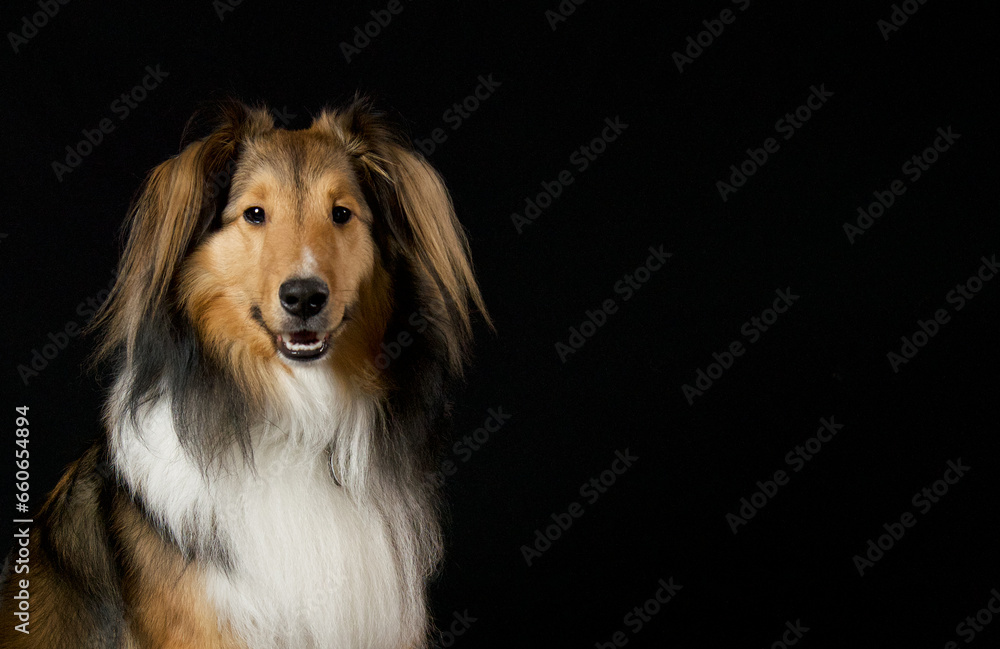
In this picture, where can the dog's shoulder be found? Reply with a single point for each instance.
(66, 574)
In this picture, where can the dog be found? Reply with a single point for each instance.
(291, 311)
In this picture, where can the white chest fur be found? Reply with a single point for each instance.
(313, 564)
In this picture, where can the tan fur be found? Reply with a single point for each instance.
(221, 278)
(442, 248)
(166, 596)
(161, 593)
(162, 225)
(241, 265)
(49, 599)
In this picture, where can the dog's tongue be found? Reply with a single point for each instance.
(302, 337)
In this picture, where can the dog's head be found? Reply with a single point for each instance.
(258, 248)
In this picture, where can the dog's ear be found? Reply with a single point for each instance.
(178, 203)
(413, 199)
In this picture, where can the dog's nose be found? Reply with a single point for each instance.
(303, 297)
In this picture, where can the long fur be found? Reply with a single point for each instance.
(294, 497)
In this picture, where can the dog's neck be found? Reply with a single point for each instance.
(313, 419)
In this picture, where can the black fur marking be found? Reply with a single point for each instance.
(210, 411)
(258, 317)
(74, 538)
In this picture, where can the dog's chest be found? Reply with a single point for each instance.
(308, 565)
(300, 562)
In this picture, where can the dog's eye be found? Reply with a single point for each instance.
(254, 215)
(341, 215)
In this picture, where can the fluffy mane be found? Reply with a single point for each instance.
(234, 411)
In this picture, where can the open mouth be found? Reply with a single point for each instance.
(303, 345)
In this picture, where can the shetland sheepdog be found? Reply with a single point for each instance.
(265, 477)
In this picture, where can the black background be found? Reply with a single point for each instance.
(654, 185)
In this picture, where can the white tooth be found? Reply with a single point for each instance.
(301, 347)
